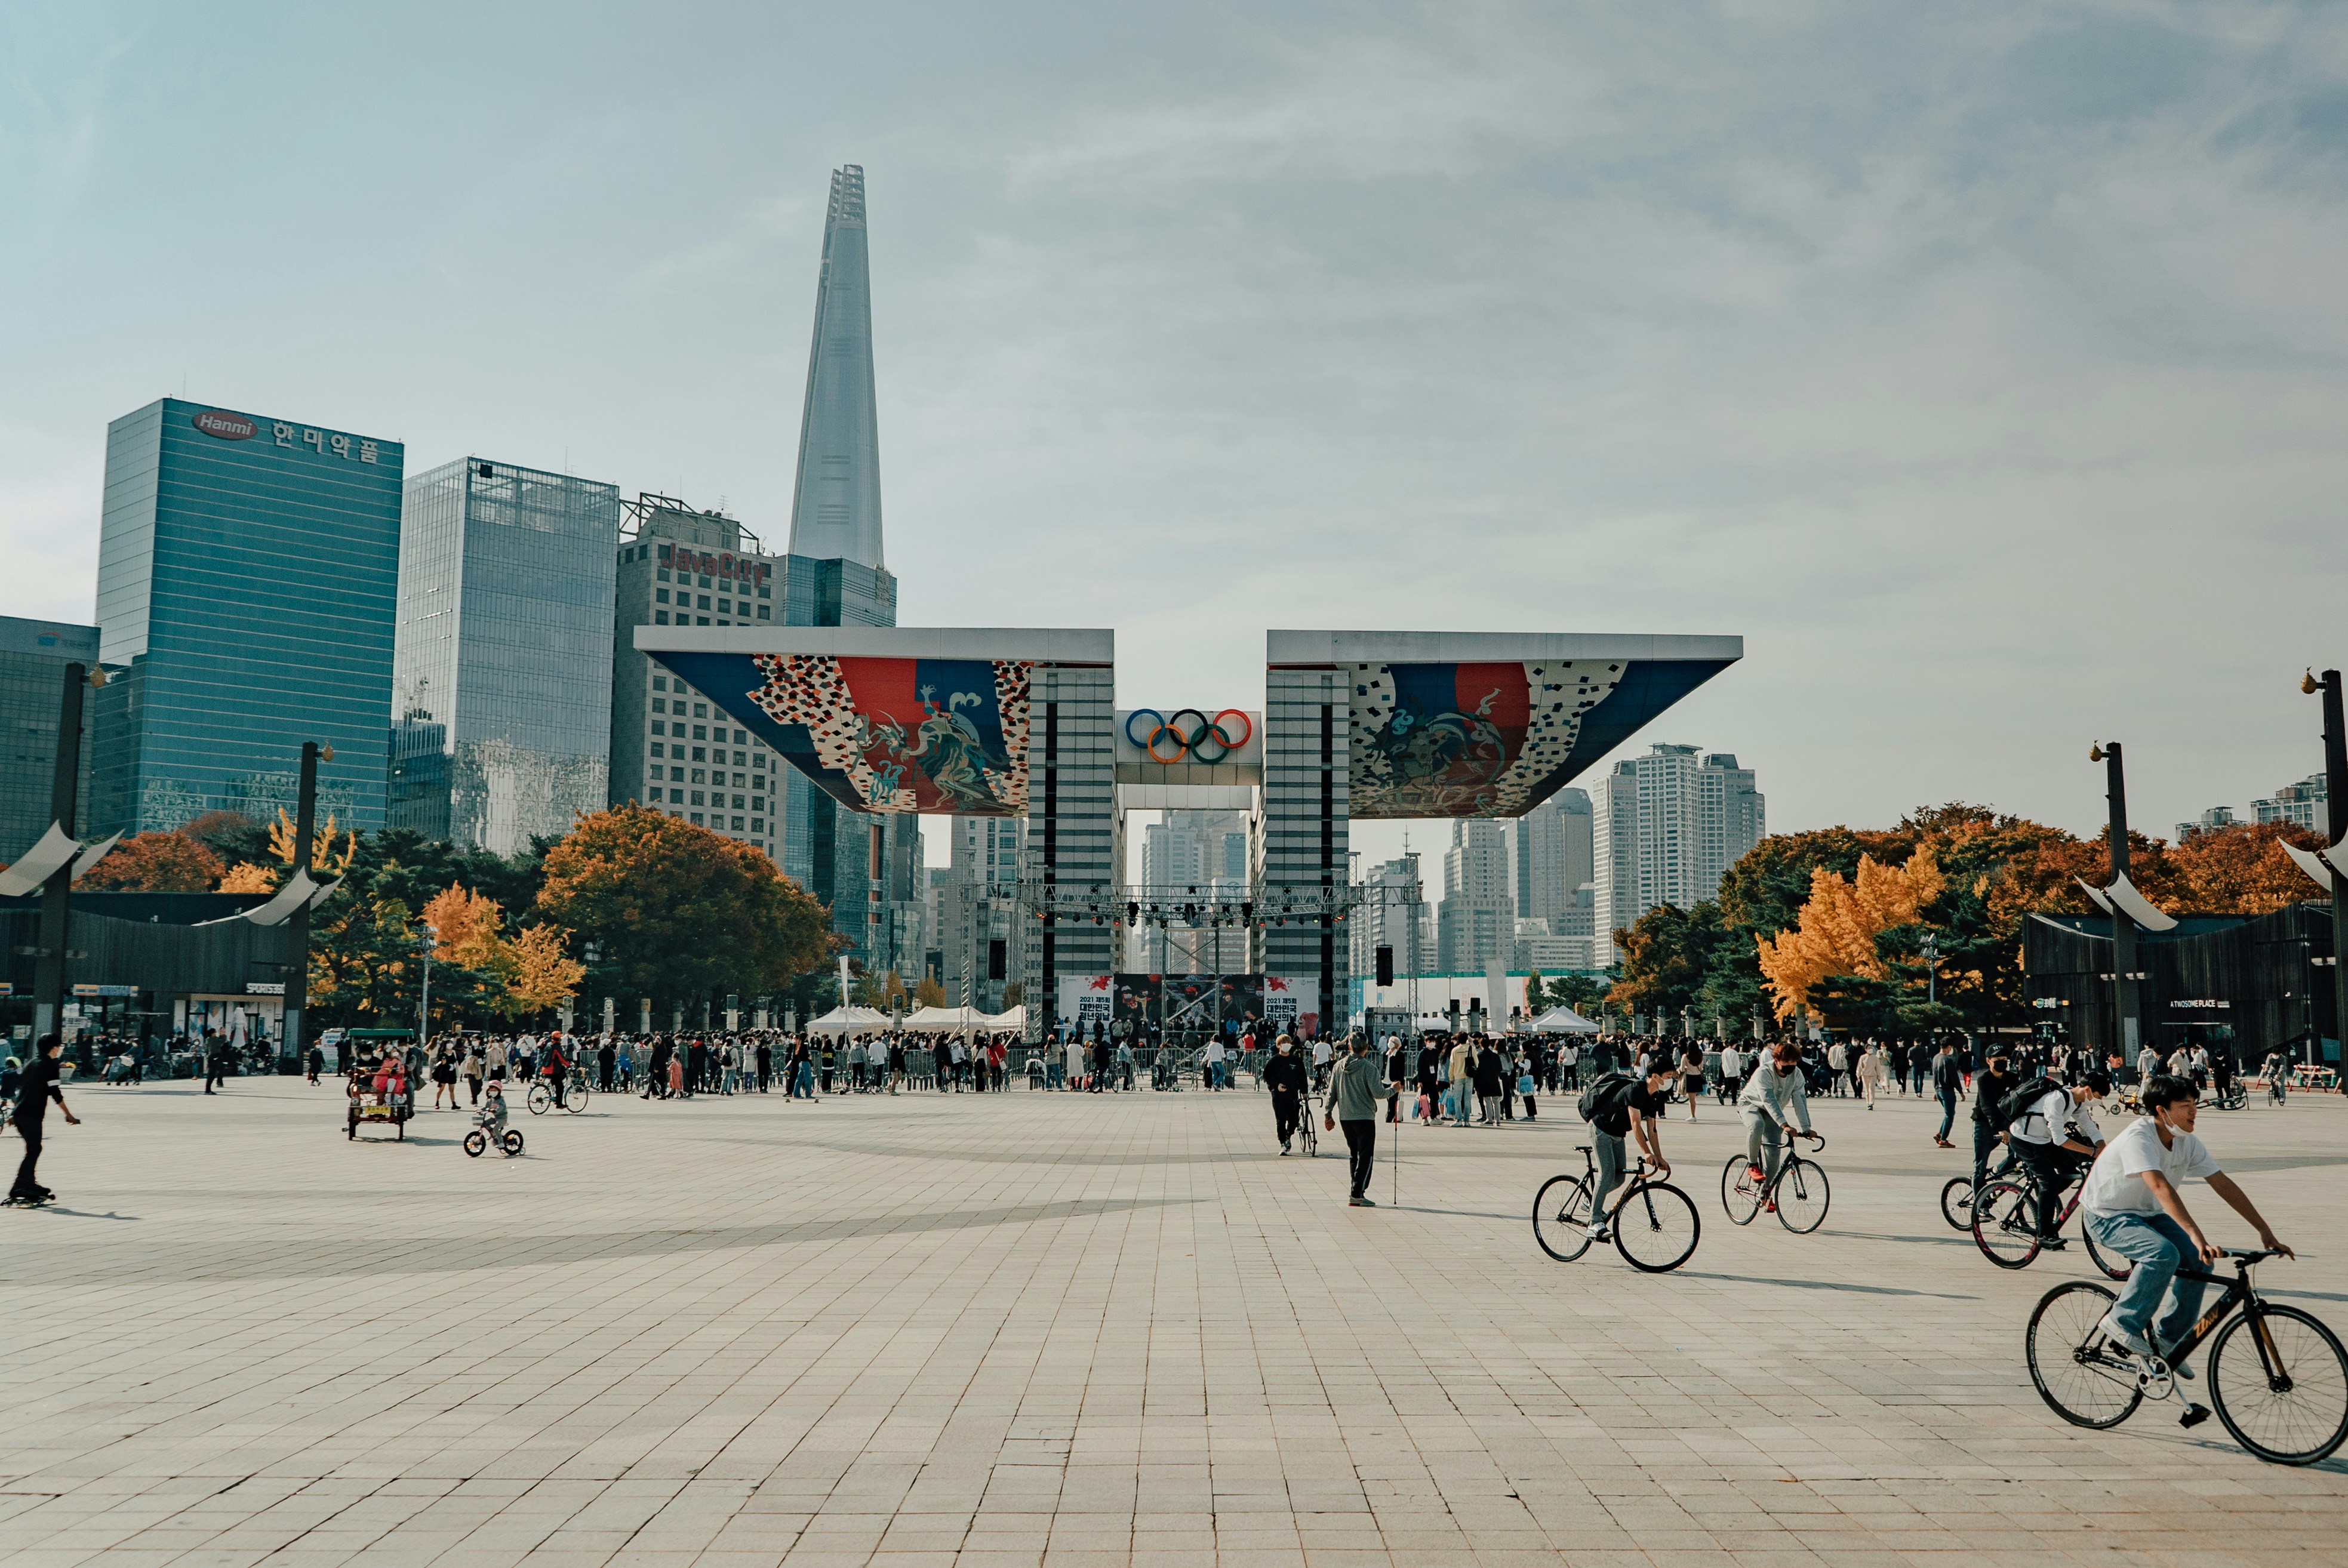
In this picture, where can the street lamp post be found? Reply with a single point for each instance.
(2335, 769)
(431, 935)
(2124, 997)
(297, 978)
(56, 893)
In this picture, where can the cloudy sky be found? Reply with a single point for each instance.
(1982, 365)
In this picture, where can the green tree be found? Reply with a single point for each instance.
(677, 912)
(1580, 992)
(1536, 999)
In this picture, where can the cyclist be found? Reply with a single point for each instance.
(1774, 1103)
(2276, 1073)
(556, 1069)
(2054, 1136)
(1284, 1076)
(1995, 1084)
(2132, 1207)
(1636, 1111)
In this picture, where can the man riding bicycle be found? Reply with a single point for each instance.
(1772, 1104)
(2055, 1136)
(1634, 1111)
(2133, 1208)
(556, 1069)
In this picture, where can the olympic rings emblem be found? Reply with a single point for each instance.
(1189, 740)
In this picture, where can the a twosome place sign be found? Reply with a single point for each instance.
(2206, 1002)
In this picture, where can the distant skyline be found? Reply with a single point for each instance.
(1984, 368)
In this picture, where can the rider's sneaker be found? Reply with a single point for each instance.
(1600, 1232)
(2135, 1344)
(1754, 1174)
(2053, 1244)
(1770, 1207)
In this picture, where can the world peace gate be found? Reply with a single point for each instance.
(1009, 722)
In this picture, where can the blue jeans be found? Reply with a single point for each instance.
(2159, 1246)
(1948, 1113)
(1611, 1166)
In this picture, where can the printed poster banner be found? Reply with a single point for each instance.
(1291, 1004)
(1088, 1001)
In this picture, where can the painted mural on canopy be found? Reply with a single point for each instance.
(901, 734)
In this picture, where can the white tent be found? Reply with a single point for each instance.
(848, 1020)
(948, 1021)
(1564, 1020)
(1011, 1020)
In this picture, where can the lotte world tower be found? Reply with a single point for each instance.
(864, 869)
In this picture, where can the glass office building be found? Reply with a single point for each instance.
(246, 586)
(501, 713)
(33, 658)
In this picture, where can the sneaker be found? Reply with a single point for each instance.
(1770, 1207)
(1283, 1148)
(2180, 1368)
(1358, 1202)
(1367, 1203)
(1754, 1174)
(1601, 1234)
(2053, 1244)
(2133, 1344)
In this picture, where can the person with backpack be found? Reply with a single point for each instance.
(1618, 1106)
(2053, 1136)
(1774, 1102)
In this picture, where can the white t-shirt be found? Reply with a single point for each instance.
(1320, 1053)
(2042, 1123)
(2115, 1185)
(1732, 1063)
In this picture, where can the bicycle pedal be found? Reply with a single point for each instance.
(2194, 1415)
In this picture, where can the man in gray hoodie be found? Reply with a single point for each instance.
(1355, 1091)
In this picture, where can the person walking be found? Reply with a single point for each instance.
(35, 1087)
(1870, 1072)
(1284, 1076)
(217, 1061)
(1948, 1083)
(1691, 1074)
(1354, 1106)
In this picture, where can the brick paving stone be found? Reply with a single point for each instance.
(1043, 1330)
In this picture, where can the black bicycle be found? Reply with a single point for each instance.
(1655, 1224)
(2005, 1224)
(1798, 1192)
(1957, 1193)
(2286, 1370)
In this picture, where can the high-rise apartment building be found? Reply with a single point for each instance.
(33, 658)
(1475, 925)
(1665, 828)
(2302, 802)
(503, 704)
(2209, 821)
(680, 567)
(1388, 919)
(977, 907)
(247, 585)
(1549, 855)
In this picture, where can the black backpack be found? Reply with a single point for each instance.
(2011, 1109)
(1607, 1092)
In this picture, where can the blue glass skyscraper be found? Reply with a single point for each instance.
(246, 582)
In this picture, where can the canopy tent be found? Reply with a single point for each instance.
(848, 1020)
(1563, 1020)
(1009, 1019)
(947, 1021)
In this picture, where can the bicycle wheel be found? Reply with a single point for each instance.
(1656, 1228)
(1740, 1195)
(2005, 1225)
(2296, 1414)
(2114, 1265)
(575, 1099)
(477, 1142)
(1957, 1203)
(1310, 1134)
(514, 1140)
(1802, 1194)
(539, 1098)
(2083, 1377)
(1562, 1217)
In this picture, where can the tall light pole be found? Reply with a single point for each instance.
(2124, 972)
(297, 980)
(2335, 788)
(430, 937)
(57, 894)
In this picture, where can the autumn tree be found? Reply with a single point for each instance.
(929, 993)
(1835, 933)
(154, 863)
(680, 913)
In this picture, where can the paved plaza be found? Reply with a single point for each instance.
(1053, 1329)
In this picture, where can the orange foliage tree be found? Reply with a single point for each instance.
(154, 863)
(1837, 931)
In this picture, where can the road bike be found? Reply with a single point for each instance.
(2286, 1370)
(540, 1098)
(1798, 1190)
(2005, 1224)
(1655, 1224)
(1957, 1192)
(1307, 1132)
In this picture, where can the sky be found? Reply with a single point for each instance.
(1984, 367)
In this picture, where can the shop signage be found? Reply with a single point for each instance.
(106, 990)
(264, 987)
(222, 426)
(2201, 1002)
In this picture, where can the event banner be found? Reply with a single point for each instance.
(1088, 1001)
(1291, 1004)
